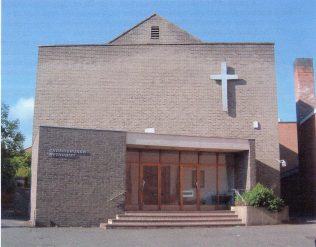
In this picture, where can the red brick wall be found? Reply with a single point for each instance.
(307, 156)
(290, 183)
(305, 105)
(304, 87)
(288, 145)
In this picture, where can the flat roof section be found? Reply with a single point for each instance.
(176, 142)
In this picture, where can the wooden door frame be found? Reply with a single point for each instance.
(181, 166)
(217, 179)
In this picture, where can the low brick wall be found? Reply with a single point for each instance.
(260, 216)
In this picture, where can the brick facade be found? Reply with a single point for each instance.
(135, 82)
(82, 191)
(166, 87)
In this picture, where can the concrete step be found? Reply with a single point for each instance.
(159, 219)
(172, 212)
(177, 211)
(179, 214)
(174, 219)
(196, 217)
(170, 224)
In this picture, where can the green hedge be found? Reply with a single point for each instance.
(260, 196)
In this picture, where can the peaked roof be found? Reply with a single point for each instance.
(141, 33)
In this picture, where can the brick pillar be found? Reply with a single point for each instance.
(304, 87)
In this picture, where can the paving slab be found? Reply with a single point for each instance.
(20, 233)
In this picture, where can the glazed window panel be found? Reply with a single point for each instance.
(189, 157)
(222, 159)
(223, 182)
(149, 156)
(207, 158)
(202, 179)
(169, 157)
(188, 192)
(208, 191)
(170, 184)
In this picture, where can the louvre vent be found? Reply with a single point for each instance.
(155, 32)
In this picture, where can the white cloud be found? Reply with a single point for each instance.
(28, 140)
(23, 109)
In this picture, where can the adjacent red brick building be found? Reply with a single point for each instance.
(290, 180)
(306, 126)
(288, 146)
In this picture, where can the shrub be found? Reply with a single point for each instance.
(261, 196)
(239, 201)
(276, 205)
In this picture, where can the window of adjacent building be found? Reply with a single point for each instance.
(155, 32)
(202, 179)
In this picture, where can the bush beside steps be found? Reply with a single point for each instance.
(260, 196)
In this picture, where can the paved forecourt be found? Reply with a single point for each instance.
(19, 233)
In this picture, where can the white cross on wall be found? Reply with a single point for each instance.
(224, 77)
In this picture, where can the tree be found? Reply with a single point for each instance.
(11, 145)
(22, 164)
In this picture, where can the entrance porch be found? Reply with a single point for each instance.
(175, 173)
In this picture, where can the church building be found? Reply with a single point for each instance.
(154, 119)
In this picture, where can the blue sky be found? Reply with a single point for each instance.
(291, 24)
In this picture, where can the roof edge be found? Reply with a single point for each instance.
(201, 43)
(312, 113)
(133, 27)
(287, 122)
(181, 29)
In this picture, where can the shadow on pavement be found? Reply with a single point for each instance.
(9, 219)
(302, 220)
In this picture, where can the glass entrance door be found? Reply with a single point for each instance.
(189, 187)
(169, 187)
(150, 187)
(178, 180)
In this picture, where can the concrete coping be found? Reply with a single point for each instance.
(177, 142)
(163, 44)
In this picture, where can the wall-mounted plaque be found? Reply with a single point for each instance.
(66, 153)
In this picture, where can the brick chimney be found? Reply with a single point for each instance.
(304, 87)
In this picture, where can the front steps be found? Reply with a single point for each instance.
(160, 219)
